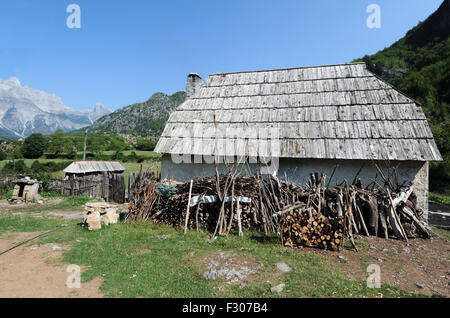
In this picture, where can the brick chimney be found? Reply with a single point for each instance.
(193, 84)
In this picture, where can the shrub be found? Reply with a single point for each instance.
(145, 144)
(3, 155)
(17, 166)
(37, 166)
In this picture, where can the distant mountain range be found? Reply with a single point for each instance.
(145, 119)
(24, 110)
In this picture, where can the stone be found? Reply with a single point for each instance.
(51, 247)
(277, 289)
(285, 268)
(211, 274)
(420, 286)
(37, 198)
(342, 257)
(110, 217)
(406, 250)
(101, 213)
(92, 221)
(104, 219)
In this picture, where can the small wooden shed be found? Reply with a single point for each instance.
(97, 179)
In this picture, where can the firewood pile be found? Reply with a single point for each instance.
(224, 203)
(324, 216)
(314, 215)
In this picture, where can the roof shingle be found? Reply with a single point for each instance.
(328, 112)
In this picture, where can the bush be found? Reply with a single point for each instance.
(37, 166)
(18, 166)
(145, 144)
(118, 155)
(6, 189)
(3, 155)
(34, 146)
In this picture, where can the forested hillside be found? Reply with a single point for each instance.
(144, 119)
(419, 66)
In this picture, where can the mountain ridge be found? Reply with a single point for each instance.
(24, 110)
(145, 119)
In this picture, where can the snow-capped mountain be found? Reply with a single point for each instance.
(24, 110)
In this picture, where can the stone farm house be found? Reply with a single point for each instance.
(325, 115)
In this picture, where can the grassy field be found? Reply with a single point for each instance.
(440, 197)
(147, 260)
(148, 154)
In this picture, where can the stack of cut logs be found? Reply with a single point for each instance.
(311, 229)
(314, 215)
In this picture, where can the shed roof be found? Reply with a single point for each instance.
(94, 166)
(327, 112)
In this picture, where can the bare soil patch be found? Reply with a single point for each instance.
(419, 265)
(36, 271)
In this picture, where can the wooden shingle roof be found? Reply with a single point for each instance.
(79, 167)
(327, 112)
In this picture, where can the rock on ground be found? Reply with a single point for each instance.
(277, 289)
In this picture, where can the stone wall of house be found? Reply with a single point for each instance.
(299, 171)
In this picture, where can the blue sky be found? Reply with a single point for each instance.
(127, 50)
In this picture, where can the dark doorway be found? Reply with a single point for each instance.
(22, 187)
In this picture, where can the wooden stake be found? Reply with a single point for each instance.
(238, 208)
(187, 209)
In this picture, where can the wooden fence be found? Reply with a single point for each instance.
(135, 178)
(109, 187)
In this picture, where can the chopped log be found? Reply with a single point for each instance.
(407, 211)
(395, 221)
(382, 218)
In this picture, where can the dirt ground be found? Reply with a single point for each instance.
(420, 265)
(36, 271)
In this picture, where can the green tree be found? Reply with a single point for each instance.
(57, 143)
(145, 144)
(3, 155)
(34, 146)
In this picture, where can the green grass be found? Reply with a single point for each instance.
(440, 198)
(69, 203)
(159, 258)
(445, 234)
(25, 223)
(147, 154)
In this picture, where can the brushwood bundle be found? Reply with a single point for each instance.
(313, 215)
